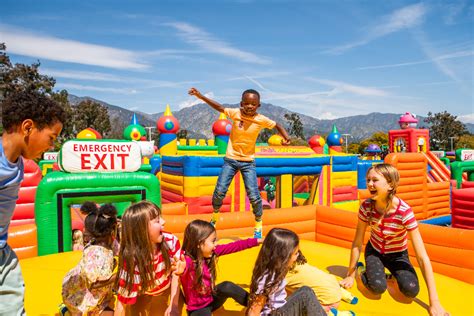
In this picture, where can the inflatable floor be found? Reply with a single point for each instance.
(43, 276)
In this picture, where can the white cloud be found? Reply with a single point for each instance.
(440, 63)
(28, 43)
(202, 39)
(436, 59)
(193, 101)
(80, 75)
(340, 86)
(452, 11)
(404, 18)
(95, 88)
(467, 118)
(327, 116)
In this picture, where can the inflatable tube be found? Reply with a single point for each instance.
(454, 295)
(23, 239)
(179, 208)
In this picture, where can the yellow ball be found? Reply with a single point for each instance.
(275, 140)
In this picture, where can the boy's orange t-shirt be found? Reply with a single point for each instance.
(244, 134)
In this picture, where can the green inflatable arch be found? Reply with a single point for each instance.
(58, 191)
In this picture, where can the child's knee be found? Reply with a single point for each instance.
(376, 286)
(410, 289)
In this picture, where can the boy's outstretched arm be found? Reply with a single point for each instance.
(281, 130)
(215, 105)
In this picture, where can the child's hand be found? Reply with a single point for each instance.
(260, 241)
(285, 142)
(347, 283)
(178, 266)
(172, 311)
(195, 92)
(437, 310)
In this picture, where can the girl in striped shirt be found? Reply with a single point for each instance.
(148, 256)
(390, 220)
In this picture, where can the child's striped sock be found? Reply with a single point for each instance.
(215, 217)
(257, 232)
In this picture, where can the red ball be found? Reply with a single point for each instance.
(221, 127)
(167, 124)
(316, 141)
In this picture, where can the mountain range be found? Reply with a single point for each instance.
(198, 120)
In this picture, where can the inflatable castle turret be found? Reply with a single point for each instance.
(317, 143)
(334, 141)
(408, 138)
(168, 126)
(372, 152)
(221, 130)
(89, 133)
(134, 131)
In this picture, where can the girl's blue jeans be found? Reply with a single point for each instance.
(249, 174)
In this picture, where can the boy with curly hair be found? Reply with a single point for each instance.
(31, 124)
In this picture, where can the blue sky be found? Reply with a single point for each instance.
(327, 59)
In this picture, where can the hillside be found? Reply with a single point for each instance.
(198, 120)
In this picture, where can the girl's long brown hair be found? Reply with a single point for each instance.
(194, 235)
(136, 248)
(272, 261)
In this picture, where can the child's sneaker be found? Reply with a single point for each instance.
(63, 311)
(360, 268)
(257, 233)
(335, 312)
(214, 218)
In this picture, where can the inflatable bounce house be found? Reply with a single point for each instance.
(318, 190)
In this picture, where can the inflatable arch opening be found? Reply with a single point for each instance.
(58, 191)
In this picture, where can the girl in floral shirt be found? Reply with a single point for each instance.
(87, 288)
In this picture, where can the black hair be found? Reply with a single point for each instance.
(100, 222)
(29, 104)
(251, 91)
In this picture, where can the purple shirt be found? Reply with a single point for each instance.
(275, 299)
(195, 300)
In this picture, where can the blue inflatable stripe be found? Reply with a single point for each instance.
(362, 167)
(197, 166)
(293, 162)
(267, 171)
(166, 139)
(344, 163)
(439, 221)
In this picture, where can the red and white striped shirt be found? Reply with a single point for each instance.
(162, 277)
(388, 234)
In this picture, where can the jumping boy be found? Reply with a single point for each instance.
(31, 123)
(240, 155)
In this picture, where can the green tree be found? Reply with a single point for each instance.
(92, 114)
(465, 141)
(379, 138)
(117, 128)
(265, 134)
(295, 125)
(182, 134)
(20, 77)
(444, 125)
(68, 126)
